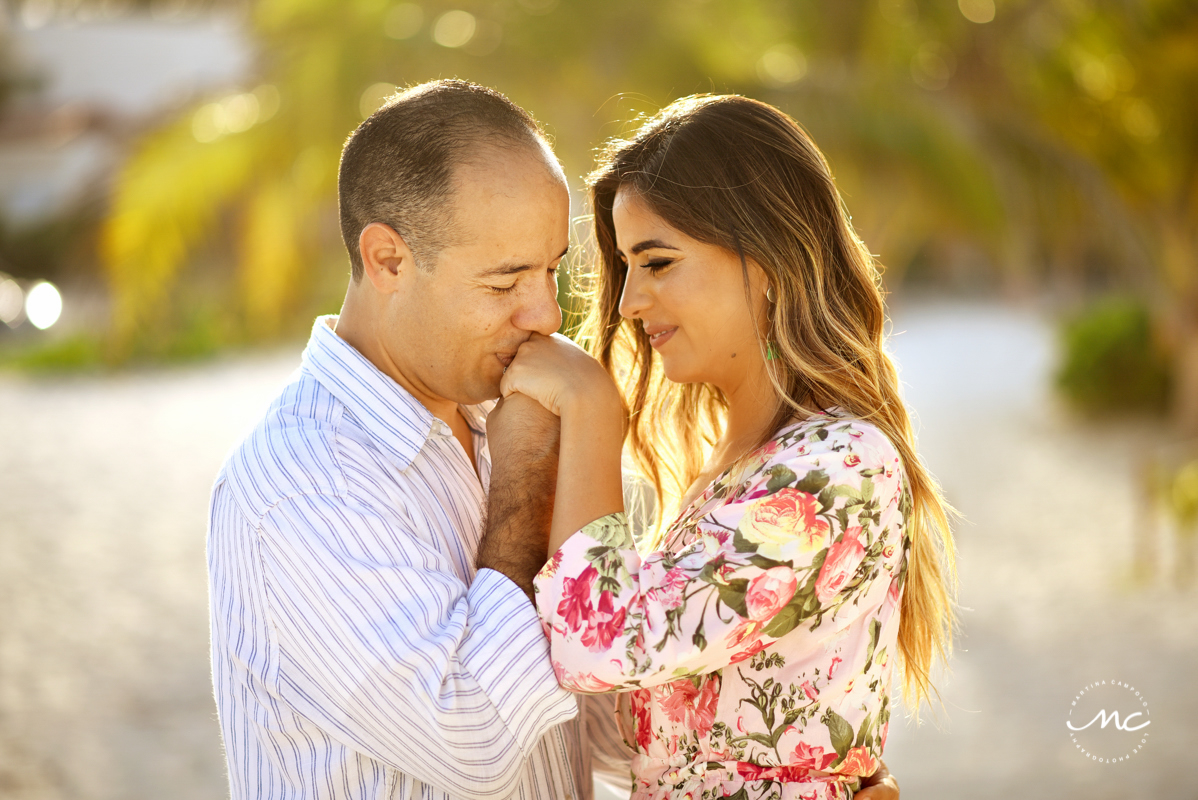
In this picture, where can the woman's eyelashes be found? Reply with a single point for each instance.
(657, 265)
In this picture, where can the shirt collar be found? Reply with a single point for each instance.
(476, 416)
(397, 422)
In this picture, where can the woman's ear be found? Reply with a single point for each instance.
(762, 292)
(385, 256)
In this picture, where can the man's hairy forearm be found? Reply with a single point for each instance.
(519, 513)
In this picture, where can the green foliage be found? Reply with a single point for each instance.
(1052, 132)
(70, 354)
(1112, 361)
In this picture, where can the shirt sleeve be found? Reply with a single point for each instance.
(394, 656)
(798, 545)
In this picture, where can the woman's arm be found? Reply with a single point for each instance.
(589, 485)
(814, 537)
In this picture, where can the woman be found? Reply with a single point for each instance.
(740, 316)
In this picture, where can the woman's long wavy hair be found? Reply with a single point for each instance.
(742, 175)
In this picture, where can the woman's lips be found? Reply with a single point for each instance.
(505, 358)
(660, 336)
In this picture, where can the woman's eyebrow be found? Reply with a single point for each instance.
(651, 244)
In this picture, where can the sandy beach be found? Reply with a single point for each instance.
(104, 480)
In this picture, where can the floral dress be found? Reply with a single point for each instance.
(757, 640)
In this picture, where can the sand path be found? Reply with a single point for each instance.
(104, 685)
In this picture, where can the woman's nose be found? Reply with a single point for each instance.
(633, 300)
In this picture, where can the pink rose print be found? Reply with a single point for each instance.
(640, 702)
(669, 593)
(603, 625)
(679, 700)
(744, 655)
(810, 691)
(787, 774)
(705, 705)
(550, 568)
(811, 758)
(760, 458)
(692, 707)
(832, 670)
(893, 594)
(585, 682)
(852, 460)
(769, 592)
(779, 518)
(842, 561)
(743, 632)
(575, 606)
(859, 761)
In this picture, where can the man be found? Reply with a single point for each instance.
(357, 652)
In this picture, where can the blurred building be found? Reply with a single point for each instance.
(90, 76)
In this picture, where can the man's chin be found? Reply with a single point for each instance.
(482, 393)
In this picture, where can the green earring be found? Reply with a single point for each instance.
(770, 352)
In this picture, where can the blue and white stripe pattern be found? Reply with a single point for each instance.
(355, 652)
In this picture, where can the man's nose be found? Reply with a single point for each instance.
(541, 313)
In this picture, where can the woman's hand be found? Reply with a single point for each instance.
(564, 378)
(559, 375)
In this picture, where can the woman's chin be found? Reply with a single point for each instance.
(677, 372)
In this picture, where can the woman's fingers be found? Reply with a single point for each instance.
(554, 371)
(527, 377)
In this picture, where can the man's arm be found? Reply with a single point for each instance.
(522, 437)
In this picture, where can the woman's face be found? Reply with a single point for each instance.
(690, 299)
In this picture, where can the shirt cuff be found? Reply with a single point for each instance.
(507, 653)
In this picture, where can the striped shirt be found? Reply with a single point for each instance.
(355, 651)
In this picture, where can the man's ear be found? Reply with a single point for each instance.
(385, 256)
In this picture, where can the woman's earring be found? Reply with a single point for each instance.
(769, 294)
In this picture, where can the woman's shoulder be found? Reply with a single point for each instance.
(825, 450)
(831, 437)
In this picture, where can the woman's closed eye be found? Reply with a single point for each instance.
(657, 265)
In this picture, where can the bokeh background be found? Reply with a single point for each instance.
(1026, 170)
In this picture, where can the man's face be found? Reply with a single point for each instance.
(455, 327)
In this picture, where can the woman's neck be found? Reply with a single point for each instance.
(752, 406)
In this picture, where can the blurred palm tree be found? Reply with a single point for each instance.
(1034, 136)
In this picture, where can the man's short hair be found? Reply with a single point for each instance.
(398, 166)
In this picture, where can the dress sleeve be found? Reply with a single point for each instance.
(798, 543)
(396, 657)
